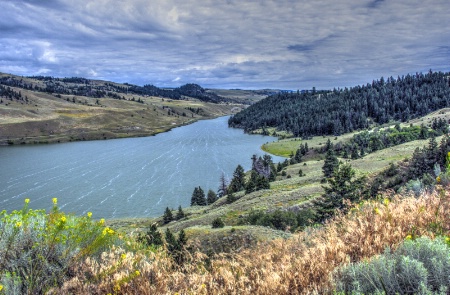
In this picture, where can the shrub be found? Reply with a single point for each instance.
(282, 220)
(38, 250)
(417, 267)
(218, 223)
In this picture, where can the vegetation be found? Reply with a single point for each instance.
(84, 87)
(217, 223)
(198, 197)
(51, 110)
(313, 260)
(344, 110)
(323, 221)
(419, 266)
(40, 250)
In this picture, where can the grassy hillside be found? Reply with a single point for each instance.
(318, 260)
(42, 117)
(289, 192)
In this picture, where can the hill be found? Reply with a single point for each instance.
(46, 110)
(344, 110)
(282, 228)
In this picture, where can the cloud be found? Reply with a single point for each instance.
(246, 44)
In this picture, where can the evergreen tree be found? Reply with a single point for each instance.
(198, 197)
(354, 154)
(341, 187)
(180, 213)
(298, 156)
(231, 198)
(182, 239)
(262, 183)
(417, 164)
(328, 145)
(152, 237)
(211, 197)
(252, 182)
(238, 181)
(331, 162)
(432, 152)
(168, 216)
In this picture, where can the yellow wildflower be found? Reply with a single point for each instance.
(376, 210)
(408, 237)
(138, 273)
(102, 221)
(89, 214)
(386, 201)
(123, 256)
(107, 230)
(1, 287)
(27, 201)
(63, 219)
(55, 201)
(18, 224)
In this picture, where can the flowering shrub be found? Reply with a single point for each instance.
(38, 249)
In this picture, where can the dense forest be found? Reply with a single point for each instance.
(344, 110)
(85, 87)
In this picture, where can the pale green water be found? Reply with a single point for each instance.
(133, 177)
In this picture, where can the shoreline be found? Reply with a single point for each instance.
(93, 135)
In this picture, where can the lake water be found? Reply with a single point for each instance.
(132, 177)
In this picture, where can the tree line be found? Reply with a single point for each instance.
(345, 110)
(85, 87)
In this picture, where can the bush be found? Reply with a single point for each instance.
(218, 223)
(38, 250)
(417, 267)
(281, 220)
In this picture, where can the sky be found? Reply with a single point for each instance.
(256, 44)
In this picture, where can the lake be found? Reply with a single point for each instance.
(132, 177)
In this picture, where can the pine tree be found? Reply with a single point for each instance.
(182, 239)
(211, 197)
(238, 181)
(231, 198)
(331, 162)
(251, 183)
(341, 187)
(198, 197)
(180, 213)
(262, 183)
(432, 153)
(152, 237)
(171, 242)
(168, 217)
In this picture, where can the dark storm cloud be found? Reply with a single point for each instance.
(245, 44)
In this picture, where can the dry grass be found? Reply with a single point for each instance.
(301, 265)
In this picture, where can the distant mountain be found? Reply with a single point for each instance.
(340, 111)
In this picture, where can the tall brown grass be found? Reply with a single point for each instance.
(301, 265)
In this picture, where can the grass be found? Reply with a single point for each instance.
(48, 118)
(302, 263)
(284, 193)
(285, 147)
